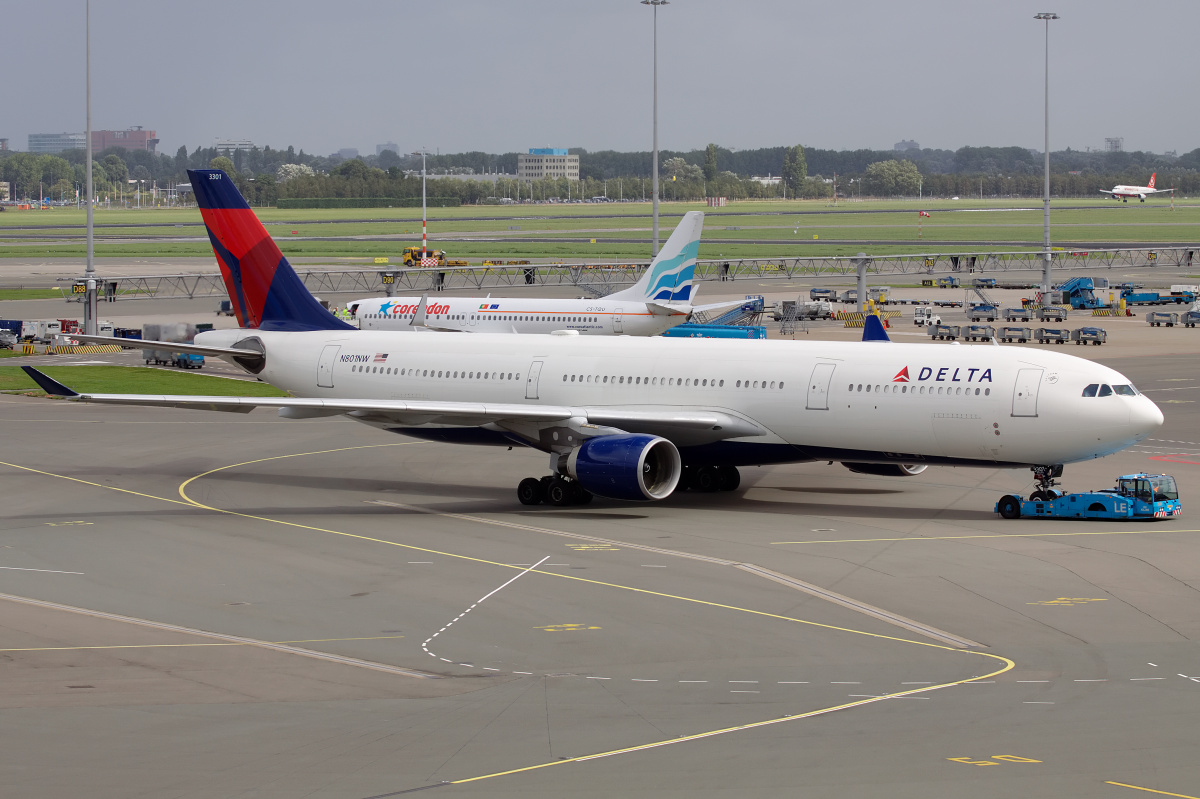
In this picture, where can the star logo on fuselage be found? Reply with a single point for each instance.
(387, 306)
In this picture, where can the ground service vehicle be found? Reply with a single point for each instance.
(1017, 334)
(188, 360)
(1052, 335)
(1160, 318)
(412, 257)
(944, 332)
(980, 312)
(822, 294)
(1094, 335)
(924, 316)
(1142, 298)
(40, 329)
(716, 331)
(1190, 318)
(1080, 293)
(947, 282)
(979, 332)
(1136, 496)
(1016, 315)
(1051, 313)
(1182, 292)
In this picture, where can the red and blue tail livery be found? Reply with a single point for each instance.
(267, 293)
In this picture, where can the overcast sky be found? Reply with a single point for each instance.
(506, 76)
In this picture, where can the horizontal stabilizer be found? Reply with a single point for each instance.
(172, 346)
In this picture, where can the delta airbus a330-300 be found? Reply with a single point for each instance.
(630, 418)
(659, 300)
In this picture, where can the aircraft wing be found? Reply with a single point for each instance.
(708, 425)
(1106, 191)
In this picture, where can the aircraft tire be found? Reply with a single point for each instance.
(562, 493)
(706, 479)
(1040, 496)
(1010, 507)
(731, 478)
(530, 491)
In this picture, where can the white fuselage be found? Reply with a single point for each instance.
(509, 315)
(887, 402)
(1140, 192)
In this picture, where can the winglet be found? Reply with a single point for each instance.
(873, 329)
(418, 319)
(48, 384)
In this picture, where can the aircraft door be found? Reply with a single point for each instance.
(531, 380)
(617, 324)
(325, 365)
(1025, 392)
(818, 387)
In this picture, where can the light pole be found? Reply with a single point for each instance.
(654, 159)
(89, 297)
(1046, 16)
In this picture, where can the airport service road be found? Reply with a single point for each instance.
(197, 605)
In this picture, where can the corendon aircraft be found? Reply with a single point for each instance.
(629, 418)
(659, 300)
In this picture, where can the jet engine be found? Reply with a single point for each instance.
(887, 469)
(632, 467)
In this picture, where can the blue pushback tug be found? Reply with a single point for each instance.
(1136, 496)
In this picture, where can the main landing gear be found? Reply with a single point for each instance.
(1044, 476)
(553, 490)
(707, 479)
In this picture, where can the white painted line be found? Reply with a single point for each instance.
(486, 668)
(522, 672)
(448, 660)
(916, 683)
(1147, 678)
(752, 682)
(597, 678)
(651, 566)
(411, 562)
(1037, 703)
(635, 679)
(793, 682)
(743, 692)
(1184, 676)
(1033, 681)
(979, 682)
(49, 571)
(1091, 680)
(468, 665)
(693, 680)
(845, 683)
(1155, 665)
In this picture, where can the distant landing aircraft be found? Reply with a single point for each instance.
(1123, 193)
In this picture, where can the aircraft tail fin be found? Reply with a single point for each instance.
(266, 292)
(1152, 176)
(873, 329)
(671, 275)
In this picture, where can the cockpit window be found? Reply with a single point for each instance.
(1090, 391)
(1105, 391)
(1125, 391)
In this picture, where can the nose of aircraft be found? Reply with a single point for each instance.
(1144, 417)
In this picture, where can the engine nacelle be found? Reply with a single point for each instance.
(635, 467)
(887, 469)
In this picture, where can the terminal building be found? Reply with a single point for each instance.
(134, 138)
(547, 162)
(228, 147)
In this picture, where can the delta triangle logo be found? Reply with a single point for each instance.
(901, 376)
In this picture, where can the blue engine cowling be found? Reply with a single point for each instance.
(634, 467)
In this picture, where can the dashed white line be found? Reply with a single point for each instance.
(1091, 680)
(1037, 703)
(693, 681)
(477, 603)
(1033, 681)
(48, 571)
(916, 683)
(486, 668)
(747, 682)
(652, 566)
(845, 683)
(597, 678)
(635, 679)
(792, 682)
(743, 692)
(522, 672)
(416, 562)
(1146, 678)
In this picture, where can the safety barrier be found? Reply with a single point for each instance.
(79, 349)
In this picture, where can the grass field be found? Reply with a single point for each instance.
(621, 231)
(135, 380)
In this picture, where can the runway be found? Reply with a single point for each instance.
(196, 606)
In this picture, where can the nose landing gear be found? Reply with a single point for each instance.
(1044, 476)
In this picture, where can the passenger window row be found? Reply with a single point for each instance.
(904, 389)
(687, 382)
(501, 317)
(435, 373)
(1102, 390)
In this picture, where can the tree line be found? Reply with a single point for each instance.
(266, 174)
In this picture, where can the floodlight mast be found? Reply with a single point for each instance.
(1046, 16)
(654, 158)
(89, 296)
